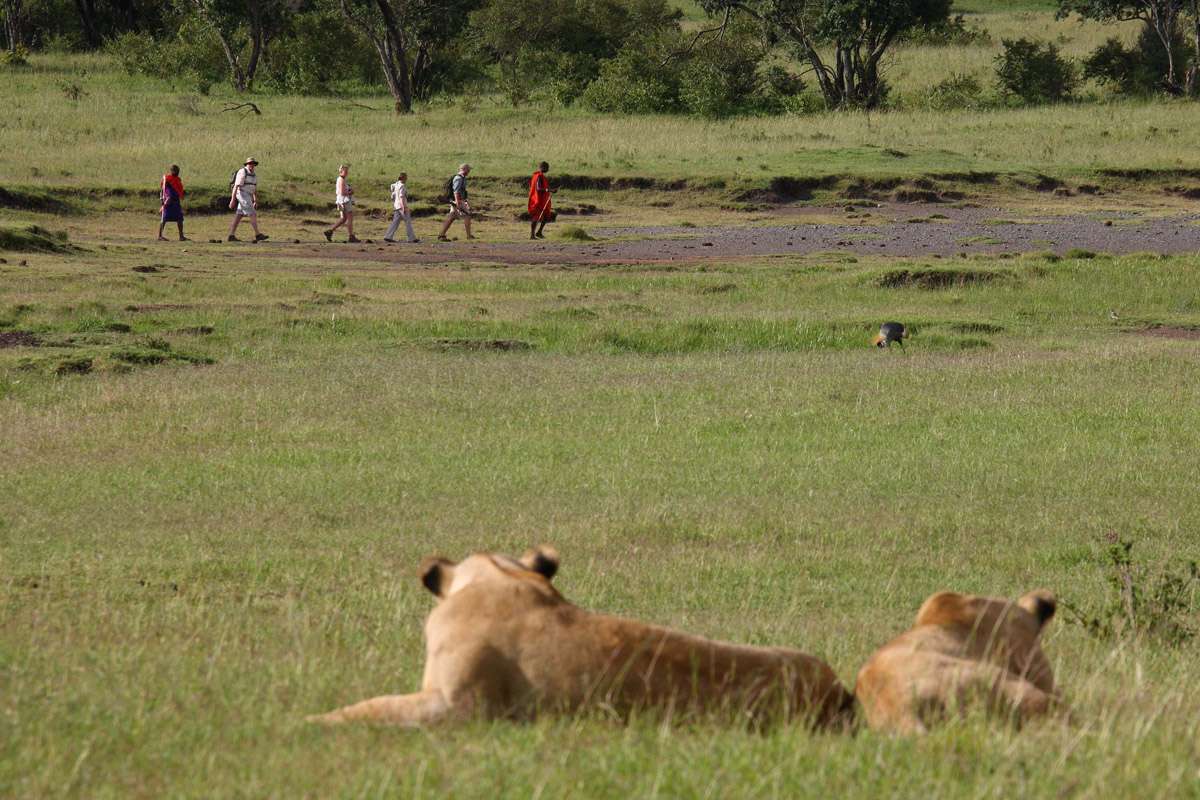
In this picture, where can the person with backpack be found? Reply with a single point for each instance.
(540, 211)
(170, 191)
(400, 202)
(460, 208)
(344, 200)
(244, 200)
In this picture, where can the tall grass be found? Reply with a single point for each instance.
(123, 131)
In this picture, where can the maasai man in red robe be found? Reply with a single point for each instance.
(171, 194)
(539, 201)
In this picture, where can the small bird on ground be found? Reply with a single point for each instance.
(891, 332)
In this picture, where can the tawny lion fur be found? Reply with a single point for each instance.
(502, 642)
(962, 648)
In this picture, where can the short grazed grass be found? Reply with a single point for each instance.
(192, 557)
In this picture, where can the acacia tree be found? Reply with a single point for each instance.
(406, 35)
(1162, 16)
(843, 41)
(229, 20)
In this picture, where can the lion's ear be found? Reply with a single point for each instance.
(437, 574)
(1041, 603)
(542, 559)
(945, 608)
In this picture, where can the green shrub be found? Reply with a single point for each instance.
(1144, 602)
(958, 92)
(634, 82)
(717, 78)
(1035, 72)
(17, 57)
(1135, 70)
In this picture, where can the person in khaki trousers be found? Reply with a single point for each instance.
(401, 212)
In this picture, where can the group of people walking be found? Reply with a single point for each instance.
(243, 201)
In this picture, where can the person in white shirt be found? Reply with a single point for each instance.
(344, 199)
(400, 203)
(244, 199)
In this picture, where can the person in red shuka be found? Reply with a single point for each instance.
(539, 202)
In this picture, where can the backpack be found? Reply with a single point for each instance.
(448, 190)
(233, 178)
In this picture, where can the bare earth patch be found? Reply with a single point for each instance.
(1170, 332)
(18, 339)
(885, 231)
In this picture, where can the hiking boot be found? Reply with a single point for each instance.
(414, 241)
(389, 241)
(329, 236)
(540, 235)
(354, 240)
(232, 238)
(259, 237)
(442, 239)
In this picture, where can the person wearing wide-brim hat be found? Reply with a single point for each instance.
(243, 199)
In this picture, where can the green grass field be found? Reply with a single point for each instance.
(221, 467)
(195, 556)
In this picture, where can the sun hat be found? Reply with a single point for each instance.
(250, 160)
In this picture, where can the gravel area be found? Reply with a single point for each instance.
(890, 230)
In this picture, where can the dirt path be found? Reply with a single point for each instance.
(891, 230)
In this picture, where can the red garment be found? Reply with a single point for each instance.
(539, 197)
(176, 184)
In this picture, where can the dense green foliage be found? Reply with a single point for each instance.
(1035, 72)
(1135, 69)
(745, 57)
(1167, 20)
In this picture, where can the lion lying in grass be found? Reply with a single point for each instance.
(961, 648)
(502, 642)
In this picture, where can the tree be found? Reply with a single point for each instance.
(534, 42)
(858, 31)
(229, 20)
(1163, 16)
(14, 29)
(406, 34)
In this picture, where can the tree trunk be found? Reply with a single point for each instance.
(128, 14)
(1164, 21)
(258, 40)
(1193, 74)
(236, 75)
(87, 20)
(390, 47)
(420, 72)
(14, 29)
(395, 37)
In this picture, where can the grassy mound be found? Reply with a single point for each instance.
(575, 233)
(34, 239)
